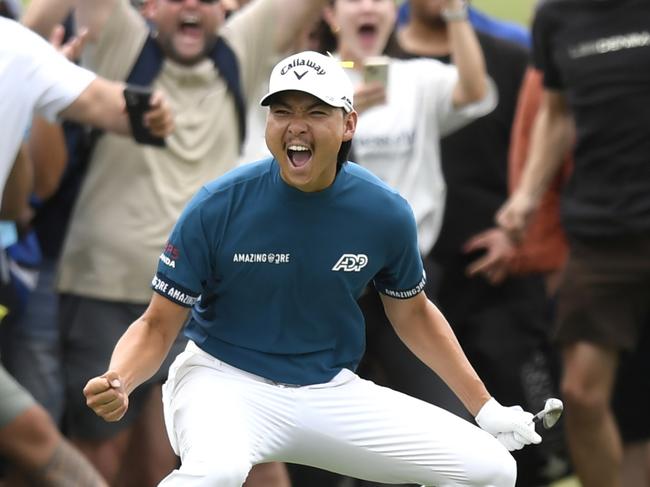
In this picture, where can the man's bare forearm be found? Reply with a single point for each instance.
(42, 16)
(552, 137)
(101, 105)
(139, 354)
(67, 467)
(468, 58)
(428, 335)
(293, 16)
(145, 344)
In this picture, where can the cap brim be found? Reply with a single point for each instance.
(266, 99)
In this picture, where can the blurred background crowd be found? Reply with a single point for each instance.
(522, 192)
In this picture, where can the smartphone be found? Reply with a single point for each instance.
(375, 69)
(137, 104)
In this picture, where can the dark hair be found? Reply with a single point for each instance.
(326, 39)
(343, 154)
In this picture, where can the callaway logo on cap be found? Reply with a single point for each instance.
(313, 73)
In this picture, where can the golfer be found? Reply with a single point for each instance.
(270, 259)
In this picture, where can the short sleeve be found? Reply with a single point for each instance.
(119, 45)
(60, 81)
(542, 48)
(185, 264)
(403, 276)
(249, 32)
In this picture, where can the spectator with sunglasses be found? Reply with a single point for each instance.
(131, 195)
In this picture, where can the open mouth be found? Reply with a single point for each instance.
(190, 26)
(368, 34)
(299, 155)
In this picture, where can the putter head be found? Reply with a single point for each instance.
(551, 413)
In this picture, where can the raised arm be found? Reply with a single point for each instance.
(467, 56)
(43, 15)
(293, 16)
(137, 356)
(102, 105)
(552, 136)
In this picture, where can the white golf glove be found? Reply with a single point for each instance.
(512, 426)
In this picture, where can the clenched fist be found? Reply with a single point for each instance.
(106, 396)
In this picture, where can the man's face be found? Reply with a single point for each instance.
(186, 28)
(362, 26)
(304, 134)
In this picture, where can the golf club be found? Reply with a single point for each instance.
(551, 413)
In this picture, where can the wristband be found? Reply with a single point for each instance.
(458, 15)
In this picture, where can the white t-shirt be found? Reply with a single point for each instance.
(34, 79)
(400, 140)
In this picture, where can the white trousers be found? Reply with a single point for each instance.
(222, 421)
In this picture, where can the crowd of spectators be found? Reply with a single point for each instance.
(524, 155)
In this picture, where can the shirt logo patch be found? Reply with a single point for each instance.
(610, 44)
(351, 263)
(169, 255)
(172, 293)
(269, 258)
(167, 261)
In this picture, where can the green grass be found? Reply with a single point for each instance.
(569, 482)
(515, 10)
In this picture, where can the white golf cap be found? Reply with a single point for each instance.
(313, 73)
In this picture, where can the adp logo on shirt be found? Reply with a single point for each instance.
(351, 263)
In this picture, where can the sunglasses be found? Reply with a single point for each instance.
(205, 2)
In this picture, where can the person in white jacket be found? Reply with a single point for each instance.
(35, 78)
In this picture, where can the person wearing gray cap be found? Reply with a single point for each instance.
(270, 259)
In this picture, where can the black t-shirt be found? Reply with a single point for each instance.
(475, 158)
(598, 53)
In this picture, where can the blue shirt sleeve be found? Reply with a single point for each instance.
(403, 277)
(185, 264)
